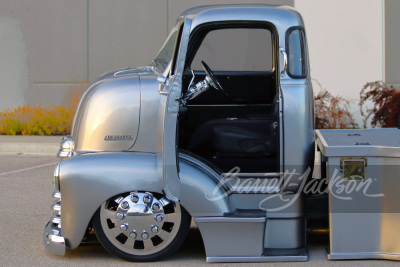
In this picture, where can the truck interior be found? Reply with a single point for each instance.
(234, 122)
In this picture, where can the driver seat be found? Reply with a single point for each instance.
(233, 140)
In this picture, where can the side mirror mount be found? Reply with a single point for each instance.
(161, 86)
(161, 78)
(285, 61)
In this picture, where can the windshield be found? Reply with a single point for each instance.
(166, 53)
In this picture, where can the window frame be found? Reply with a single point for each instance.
(199, 33)
(303, 47)
(170, 67)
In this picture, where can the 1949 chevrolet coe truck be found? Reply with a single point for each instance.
(219, 128)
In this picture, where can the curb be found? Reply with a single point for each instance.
(42, 145)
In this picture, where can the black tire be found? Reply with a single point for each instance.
(175, 242)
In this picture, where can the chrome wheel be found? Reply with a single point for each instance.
(141, 226)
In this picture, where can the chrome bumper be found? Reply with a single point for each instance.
(52, 240)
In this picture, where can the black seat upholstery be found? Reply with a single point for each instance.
(204, 134)
(236, 140)
(250, 135)
(241, 140)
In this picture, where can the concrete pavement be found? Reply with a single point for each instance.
(44, 145)
(25, 198)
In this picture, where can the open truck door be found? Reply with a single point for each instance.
(173, 89)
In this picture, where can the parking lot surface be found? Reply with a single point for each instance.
(25, 198)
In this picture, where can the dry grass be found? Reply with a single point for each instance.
(42, 120)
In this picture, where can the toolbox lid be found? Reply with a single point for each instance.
(359, 143)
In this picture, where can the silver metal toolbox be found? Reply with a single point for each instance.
(363, 177)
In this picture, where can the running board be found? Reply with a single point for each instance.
(270, 255)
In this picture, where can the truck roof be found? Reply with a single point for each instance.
(223, 8)
(280, 16)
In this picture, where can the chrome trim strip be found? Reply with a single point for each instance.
(64, 154)
(56, 207)
(56, 194)
(285, 61)
(56, 220)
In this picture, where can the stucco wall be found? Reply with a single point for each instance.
(392, 42)
(13, 64)
(49, 48)
(346, 44)
(45, 45)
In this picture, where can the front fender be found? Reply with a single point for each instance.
(90, 179)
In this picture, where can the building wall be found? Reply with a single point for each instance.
(42, 50)
(48, 49)
(346, 44)
(392, 42)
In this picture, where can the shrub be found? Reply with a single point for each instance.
(42, 120)
(385, 111)
(332, 112)
(37, 120)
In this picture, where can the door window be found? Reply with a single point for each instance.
(296, 53)
(236, 49)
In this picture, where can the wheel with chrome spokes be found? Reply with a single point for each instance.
(141, 226)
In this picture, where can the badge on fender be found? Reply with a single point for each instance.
(117, 137)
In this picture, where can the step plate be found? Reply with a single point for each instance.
(270, 255)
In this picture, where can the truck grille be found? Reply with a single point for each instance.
(56, 208)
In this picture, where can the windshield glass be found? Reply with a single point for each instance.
(166, 53)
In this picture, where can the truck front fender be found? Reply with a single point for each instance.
(90, 179)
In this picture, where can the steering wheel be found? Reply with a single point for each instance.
(214, 82)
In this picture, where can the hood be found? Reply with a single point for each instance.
(107, 117)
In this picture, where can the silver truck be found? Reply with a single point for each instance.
(219, 128)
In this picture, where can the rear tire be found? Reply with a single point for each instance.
(141, 226)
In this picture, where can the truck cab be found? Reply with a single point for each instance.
(218, 128)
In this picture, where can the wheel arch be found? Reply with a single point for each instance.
(91, 179)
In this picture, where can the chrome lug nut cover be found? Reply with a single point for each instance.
(134, 198)
(120, 216)
(125, 205)
(145, 235)
(133, 234)
(124, 227)
(156, 207)
(140, 229)
(159, 218)
(146, 198)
